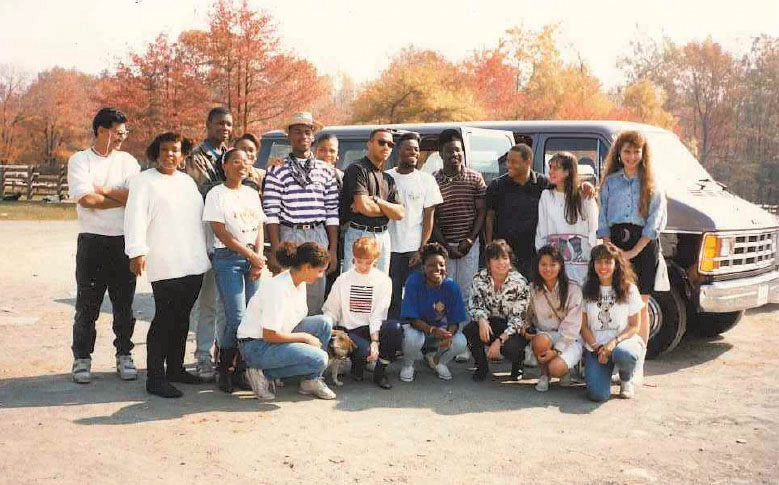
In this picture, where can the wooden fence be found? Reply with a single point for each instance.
(28, 181)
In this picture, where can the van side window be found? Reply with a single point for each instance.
(585, 150)
(484, 153)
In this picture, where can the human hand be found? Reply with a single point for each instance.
(255, 273)
(441, 333)
(275, 162)
(257, 260)
(373, 356)
(493, 351)
(138, 265)
(415, 260)
(588, 190)
(311, 340)
(332, 266)
(485, 330)
(464, 246)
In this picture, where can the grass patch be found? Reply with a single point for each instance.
(23, 210)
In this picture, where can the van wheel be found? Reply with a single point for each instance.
(713, 324)
(667, 322)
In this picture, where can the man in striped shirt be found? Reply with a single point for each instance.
(459, 219)
(300, 200)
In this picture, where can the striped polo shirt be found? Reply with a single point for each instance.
(456, 215)
(284, 200)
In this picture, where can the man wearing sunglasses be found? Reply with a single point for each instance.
(369, 199)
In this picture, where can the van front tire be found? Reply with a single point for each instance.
(667, 322)
(713, 324)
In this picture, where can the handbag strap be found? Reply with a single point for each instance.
(554, 310)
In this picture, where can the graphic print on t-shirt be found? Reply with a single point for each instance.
(605, 302)
(572, 247)
(440, 311)
(360, 298)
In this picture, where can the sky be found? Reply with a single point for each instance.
(357, 37)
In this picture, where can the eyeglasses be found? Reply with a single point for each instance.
(388, 143)
(122, 134)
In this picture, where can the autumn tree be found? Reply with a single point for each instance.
(13, 86)
(59, 115)
(644, 103)
(417, 86)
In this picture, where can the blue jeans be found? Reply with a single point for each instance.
(292, 359)
(231, 271)
(415, 343)
(383, 238)
(598, 376)
(399, 272)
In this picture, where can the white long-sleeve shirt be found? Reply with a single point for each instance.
(575, 241)
(356, 300)
(163, 221)
(86, 170)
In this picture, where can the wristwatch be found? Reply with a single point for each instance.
(375, 199)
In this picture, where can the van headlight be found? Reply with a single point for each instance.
(716, 248)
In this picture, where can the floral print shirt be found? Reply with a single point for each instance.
(510, 303)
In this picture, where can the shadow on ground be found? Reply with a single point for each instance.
(143, 305)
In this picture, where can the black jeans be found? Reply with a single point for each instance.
(167, 337)
(399, 272)
(512, 349)
(390, 341)
(102, 265)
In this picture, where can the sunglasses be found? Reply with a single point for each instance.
(388, 143)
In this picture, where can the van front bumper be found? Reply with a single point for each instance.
(741, 294)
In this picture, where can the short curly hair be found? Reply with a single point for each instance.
(432, 249)
(153, 150)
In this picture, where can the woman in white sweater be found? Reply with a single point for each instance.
(566, 219)
(164, 236)
(358, 302)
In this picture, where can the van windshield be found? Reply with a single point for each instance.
(675, 166)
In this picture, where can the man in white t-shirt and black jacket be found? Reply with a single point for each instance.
(98, 181)
(418, 193)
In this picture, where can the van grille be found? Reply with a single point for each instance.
(752, 251)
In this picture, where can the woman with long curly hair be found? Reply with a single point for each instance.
(633, 212)
(610, 320)
(566, 219)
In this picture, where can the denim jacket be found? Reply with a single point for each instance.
(619, 204)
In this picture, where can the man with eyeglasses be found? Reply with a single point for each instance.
(98, 180)
(300, 200)
(369, 199)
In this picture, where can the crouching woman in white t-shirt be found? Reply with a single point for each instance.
(165, 208)
(235, 214)
(276, 338)
(612, 307)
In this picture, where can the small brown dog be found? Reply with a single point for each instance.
(338, 350)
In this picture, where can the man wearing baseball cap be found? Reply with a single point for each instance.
(300, 200)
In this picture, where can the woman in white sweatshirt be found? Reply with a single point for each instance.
(358, 302)
(566, 219)
(164, 236)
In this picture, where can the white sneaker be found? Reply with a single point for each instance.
(205, 369)
(464, 357)
(316, 387)
(543, 383)
(82, 371)
(615, 376)
(443, 372)
(407, 373)
(259, 384)
(566, 380)
(125, 367)
(627, 389)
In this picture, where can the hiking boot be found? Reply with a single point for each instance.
(162, 388)
(566, 380)
(443, 372)
(543, 383)
(82, 371)
(205, 369)
(407, 372)
(380, 376)
(627, 389)
(316, 387)
(125, 367)
(259, 384)
(464, 357)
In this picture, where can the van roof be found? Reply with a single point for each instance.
(531, 126)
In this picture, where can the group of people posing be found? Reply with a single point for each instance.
(388, 258)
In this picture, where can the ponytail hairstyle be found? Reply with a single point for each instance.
(645, 171)
(621, 280)
(572, 185)
(288, 255)
(562, 277)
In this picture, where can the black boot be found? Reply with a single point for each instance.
(238, 377)
(516, 371)
(380, 376)
(358, 370)
(482, 365)
(162, 388)
(223, 379)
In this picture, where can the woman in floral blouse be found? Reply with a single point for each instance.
(496, 308)
(555, 312)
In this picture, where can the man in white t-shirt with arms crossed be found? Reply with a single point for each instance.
(98, 180)
(418, 193)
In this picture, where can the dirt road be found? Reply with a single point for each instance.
(708, 413)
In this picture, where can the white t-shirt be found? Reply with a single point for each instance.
(238, 209)
(356, 300)
(575, 241)
(416, 191)
(277, 305)
(164, 222)
(86, 170)
(607, 318)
